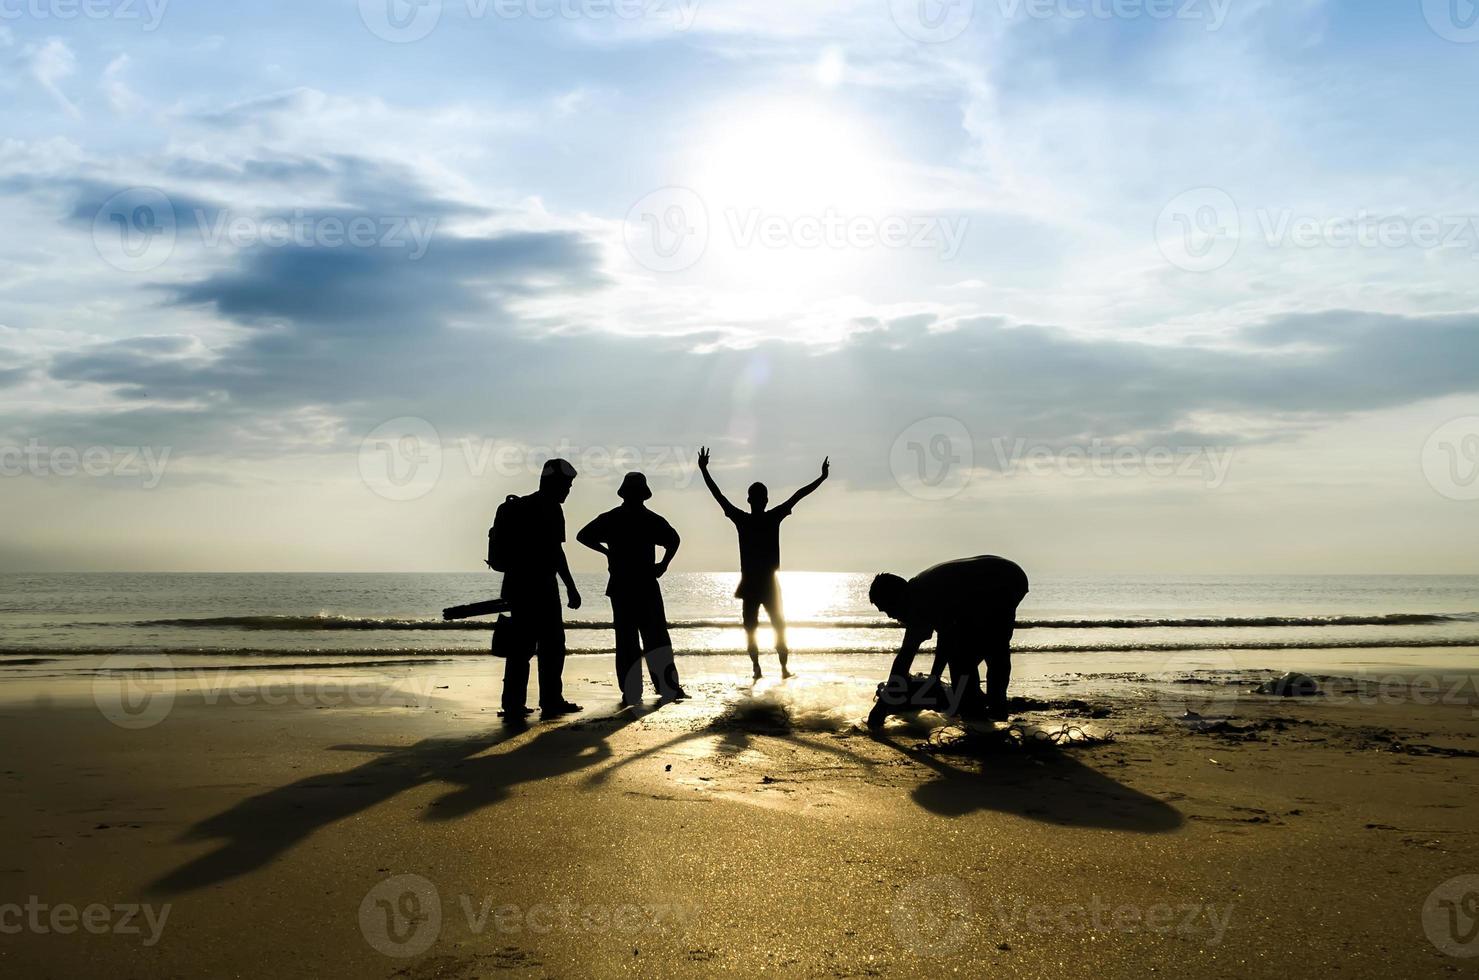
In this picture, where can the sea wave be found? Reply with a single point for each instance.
(418, 655)
(1387, 619)
(1312, 644)
(325, 621)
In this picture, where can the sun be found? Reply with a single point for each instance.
(789, 159)
(781, 180)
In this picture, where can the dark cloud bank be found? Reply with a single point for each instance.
(367, 334)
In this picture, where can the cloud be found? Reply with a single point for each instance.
(50, 64)
(312, 121)
(266, 109)
(358, 334)
(505, 324)
(368, 289)
(115, 87)
(292, 170)
(15, 369)
(89, 196)
(431, 345)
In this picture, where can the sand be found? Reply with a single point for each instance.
(377, 821)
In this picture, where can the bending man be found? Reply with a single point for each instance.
(972, 604)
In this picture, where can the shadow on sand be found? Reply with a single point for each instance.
(1045, 784)
(1042, 783)
(259, 829)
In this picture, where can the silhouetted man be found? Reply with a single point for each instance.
(528, 539)
(760, 557)
(629, 537)
(972, 604)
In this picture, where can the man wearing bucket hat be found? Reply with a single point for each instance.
(629, 537)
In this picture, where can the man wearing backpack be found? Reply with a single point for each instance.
(526, 544)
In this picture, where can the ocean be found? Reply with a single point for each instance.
(363, 613)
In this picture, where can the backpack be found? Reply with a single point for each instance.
(505, 537)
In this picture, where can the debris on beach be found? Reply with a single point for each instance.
(978, 740)
(1290, 685)
(1247, 730)
(1385, 740)
(1071, 707)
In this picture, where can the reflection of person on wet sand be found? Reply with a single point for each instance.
(972, 604)
(760, 557)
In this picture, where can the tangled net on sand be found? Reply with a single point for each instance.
(1014, 738)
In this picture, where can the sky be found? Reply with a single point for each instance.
(1107, 286)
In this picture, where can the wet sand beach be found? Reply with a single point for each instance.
(378, 821)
